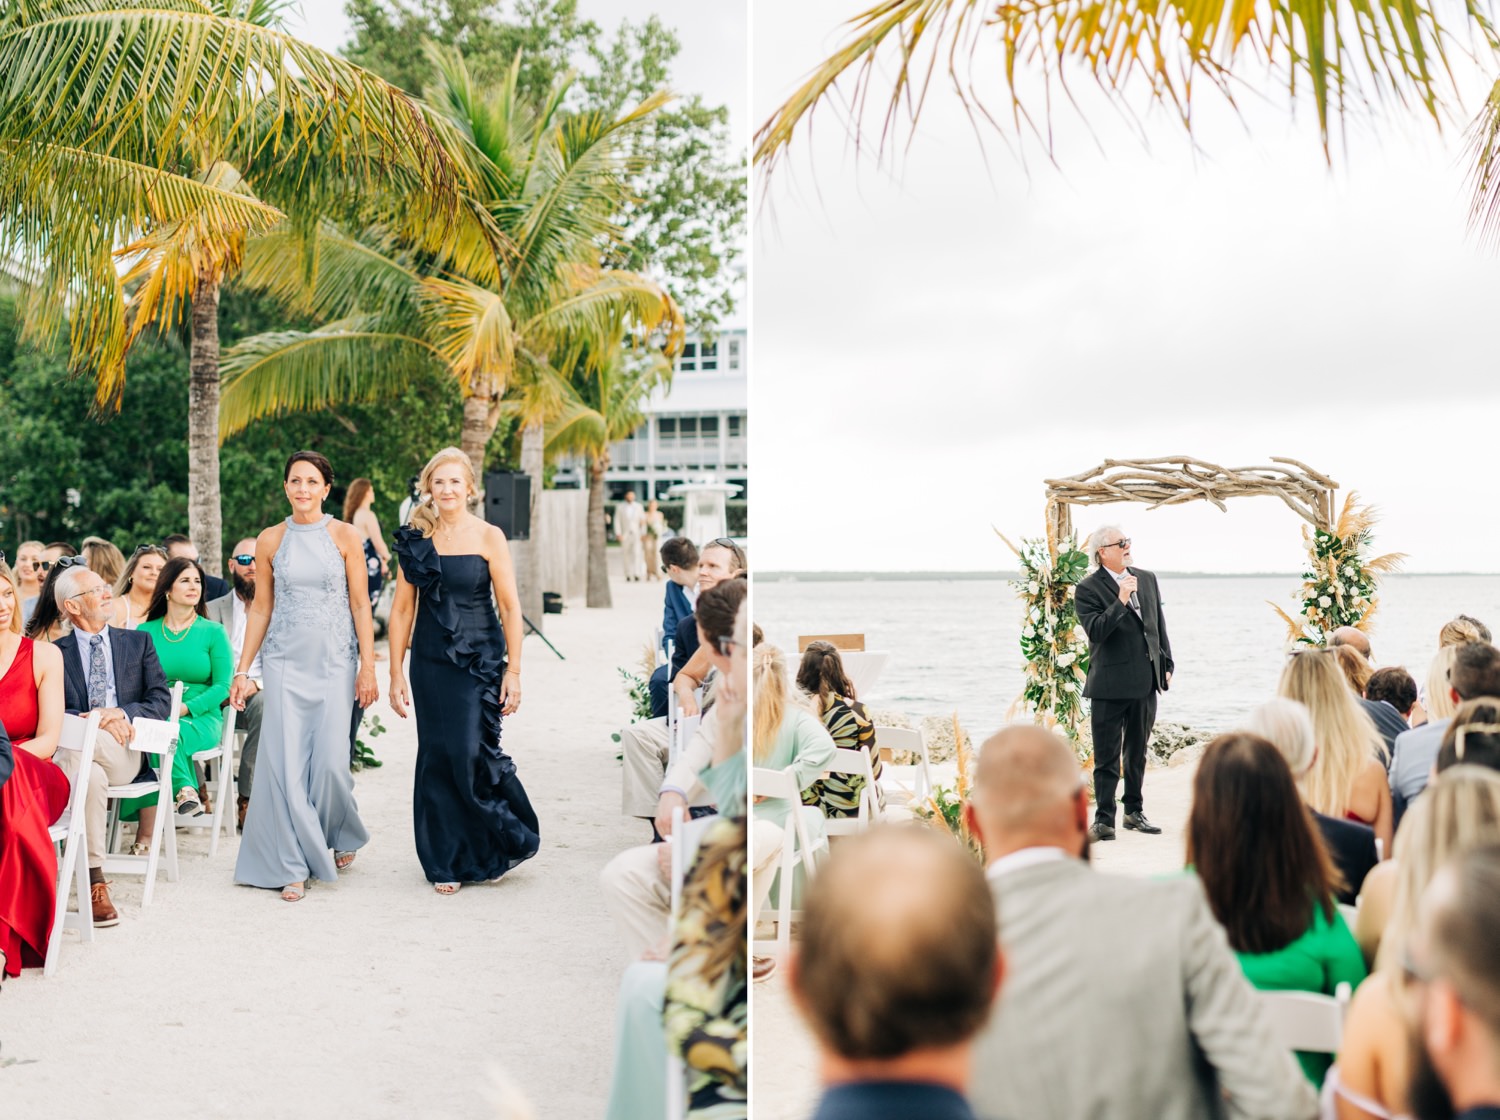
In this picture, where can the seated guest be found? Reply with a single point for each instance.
(1435, 697)
(36, 792)
(1455, 1028)
(1354, 638)
(178, 545)
(231, 611)
(194, 650)
(1396, 687)
(1387, 719)
(48, 621)
(644, 745)
(898, 966)
(786, 735)
(822, 677)
(1472, 737)
(1461, 630)
(1273, 896)
(1473, 670)
(679, 559)
(1122, 998)
(57, 550)
(1347, 777)
(694, 675)
(136, 586)
(29, 576)
(102, 557)
(719, 560)
(1288, 727)
(117, 673)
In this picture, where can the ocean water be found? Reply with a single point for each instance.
(954, 644)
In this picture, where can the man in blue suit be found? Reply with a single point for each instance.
(117, 673)
(898, 966)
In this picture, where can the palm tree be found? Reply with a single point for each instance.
(551, 184)
(137, 130)
(1140, 55)
(606, 402)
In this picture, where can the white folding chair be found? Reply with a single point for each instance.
(78, 734)
(907, 739)
(1308, 1020)
(858, 764)
(796, 851)
(681, 734)
(223, 786)
(158, 737)
(687, 833)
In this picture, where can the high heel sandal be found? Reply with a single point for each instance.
(342, 860)
(294, 892)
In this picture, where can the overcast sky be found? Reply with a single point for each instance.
(931, 343)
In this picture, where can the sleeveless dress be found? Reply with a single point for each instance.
(472, 818)
(32, 798)
(302, 804)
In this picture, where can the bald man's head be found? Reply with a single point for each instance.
(1028, 792)
(900, 947)
(1349, 636)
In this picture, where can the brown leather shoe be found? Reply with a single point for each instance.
(208, 809)
(105, 913)
(763, 968)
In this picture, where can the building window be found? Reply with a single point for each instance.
(736, 426)
(689, 358)
(709, 426)
(708, 356)
(687, 427)
(735, 348)
(666, 427)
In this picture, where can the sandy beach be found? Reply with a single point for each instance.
(374, 996)
(783, 1071)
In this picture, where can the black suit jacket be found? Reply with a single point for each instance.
(687, 644)
(1352, 846)
(1129, 655)
(140, 685)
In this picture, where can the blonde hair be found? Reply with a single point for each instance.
(1458, 811)
(15, 586)
(1440, 702)
(1457, 631)
(769, 699)
(102, 557)
(1355, 668)
(1344, 733)
(1288, 726)
(424, 515)
(356, 496)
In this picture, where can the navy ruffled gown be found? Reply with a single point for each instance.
(472, 817)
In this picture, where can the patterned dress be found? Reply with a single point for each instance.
(852, 730)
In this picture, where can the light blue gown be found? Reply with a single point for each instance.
(302, 806)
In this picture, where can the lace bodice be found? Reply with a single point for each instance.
(312, 592)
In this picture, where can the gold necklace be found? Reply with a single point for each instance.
(167, 631)
(447, 532)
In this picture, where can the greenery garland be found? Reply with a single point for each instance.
(1054, 645)
(1340, 582)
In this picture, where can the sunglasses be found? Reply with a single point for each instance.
(1122, 543)
(145, 548)
(65, 562)
(244, 559)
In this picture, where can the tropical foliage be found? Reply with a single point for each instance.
(1340, 582)
(945, 807)
(1053, 644)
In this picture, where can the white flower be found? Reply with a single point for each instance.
(1066, 659)
(1324, 601)
(1070, 686)
(1033, 587)
(1029, 632)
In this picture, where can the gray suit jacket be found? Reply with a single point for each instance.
(221, 610)
(1123, 1001)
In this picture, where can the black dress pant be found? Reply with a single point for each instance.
(1120, 726)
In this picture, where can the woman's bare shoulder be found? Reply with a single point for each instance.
(46, 656)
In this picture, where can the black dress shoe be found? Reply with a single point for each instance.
(1139, 822)
(1099, 831)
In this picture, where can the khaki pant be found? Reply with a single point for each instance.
(114, 765)
(644, 748)
(638, 895)
(766, 840)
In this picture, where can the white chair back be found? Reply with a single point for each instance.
(225, 793)
(796, 848)
(912, 740)
(856, 763)
(158, 737)
(1308, 1020)
(81, 735)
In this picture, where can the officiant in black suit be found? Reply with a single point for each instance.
(1130, 661)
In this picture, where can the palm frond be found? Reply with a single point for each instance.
(604, 305)
(471, 328)
(350, 275)
(302, 371)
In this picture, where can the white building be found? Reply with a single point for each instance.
(695, 429)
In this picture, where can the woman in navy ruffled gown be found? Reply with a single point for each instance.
(472, 817)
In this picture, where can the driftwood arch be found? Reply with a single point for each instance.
(1177, 479)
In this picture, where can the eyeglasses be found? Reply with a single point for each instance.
(1123, 542)
(64, 562)
(244, 559)
(90, 591)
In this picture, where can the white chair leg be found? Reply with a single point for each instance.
(60, 911)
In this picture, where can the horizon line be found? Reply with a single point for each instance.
(833, 574)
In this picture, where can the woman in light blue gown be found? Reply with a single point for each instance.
(311, 624)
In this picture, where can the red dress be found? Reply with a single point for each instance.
(35, 795)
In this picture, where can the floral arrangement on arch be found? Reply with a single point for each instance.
(1340, 583)
(1054, 645)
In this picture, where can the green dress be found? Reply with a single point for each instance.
(203, 661)
(1318, 961)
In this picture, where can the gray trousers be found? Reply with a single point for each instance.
(248, 721)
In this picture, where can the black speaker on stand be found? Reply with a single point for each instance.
(507, 503)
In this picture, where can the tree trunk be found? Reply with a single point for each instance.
(528, 554)
(204, 523)
(481, 415)
(598, 559)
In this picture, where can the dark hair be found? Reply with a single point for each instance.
(1476, 670)
(679, 552)
(716, 611)
(1255, 846)
(324, 467)
(47, 613)
(1462, 932)
(757, 635)
(1480, 748)
(67, 549)
(1395, 686)
(871, 987)
(821, 673)
(355, 496)
(175, 538)
(169, 573)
